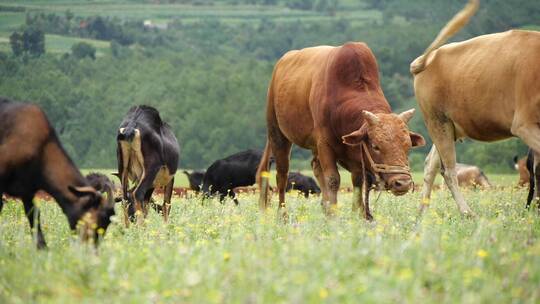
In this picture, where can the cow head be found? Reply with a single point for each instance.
(388, 141)
(96, 212)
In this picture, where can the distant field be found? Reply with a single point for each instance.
(162, 13)
(187, 13)
(62, 44)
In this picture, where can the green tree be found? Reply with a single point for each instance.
(31, 41)
(16, 42)
(82, 49)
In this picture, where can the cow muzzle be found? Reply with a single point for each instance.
(400, 184)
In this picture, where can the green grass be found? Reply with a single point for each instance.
(182, 181)
(216, 253)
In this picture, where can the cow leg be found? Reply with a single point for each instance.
(167, 200)
(32, 213)
(1, 201)
(232, 195)
(357, 202)
(432, 165)
(148, 201)
(331, 178)
(535, 180)
(317, 171)
(367, 189)
(282, 151)
(141, 206)
(443, 136)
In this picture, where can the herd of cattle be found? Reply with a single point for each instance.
(325, 99)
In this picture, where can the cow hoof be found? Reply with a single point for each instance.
(368, 217)
(41, 245)
(331, 210)
(468, 213)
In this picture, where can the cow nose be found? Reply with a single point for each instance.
(401, 186)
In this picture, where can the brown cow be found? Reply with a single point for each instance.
(329, 100)
(521, 167)
(485, 88)
(32, 159)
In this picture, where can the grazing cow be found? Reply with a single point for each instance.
(469, 175)
(521, 167)
(485, 88)
(329, 100)
(195, 179)
(302, 183)
(32, 159)
(147, 152)
(237, 170)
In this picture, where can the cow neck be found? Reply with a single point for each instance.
(59, 173)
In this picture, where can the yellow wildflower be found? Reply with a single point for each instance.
(481, 253)
(323, 293)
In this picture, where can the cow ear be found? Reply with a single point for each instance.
(355, 138)
(417, 139)
(82, 191)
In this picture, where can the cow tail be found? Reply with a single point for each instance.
(263, 176)
(452, 27)
(264, 165)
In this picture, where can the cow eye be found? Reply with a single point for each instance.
(375, 148)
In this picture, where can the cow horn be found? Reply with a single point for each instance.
(370, 117)
(407, 115)
(80, 191)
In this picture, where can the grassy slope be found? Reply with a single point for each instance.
(220, 253)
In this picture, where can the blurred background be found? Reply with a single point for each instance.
(206, 64)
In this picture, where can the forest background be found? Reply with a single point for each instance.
(206, 64)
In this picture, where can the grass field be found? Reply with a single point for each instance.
(216, 253)
(185, 13)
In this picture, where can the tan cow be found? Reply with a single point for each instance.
(329, 100)
(486, 88)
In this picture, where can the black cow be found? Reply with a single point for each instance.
(147, 153)
(195, 179)
(302, 183)
(32, 159)
(237, 170)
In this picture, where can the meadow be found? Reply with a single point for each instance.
(219, 253)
